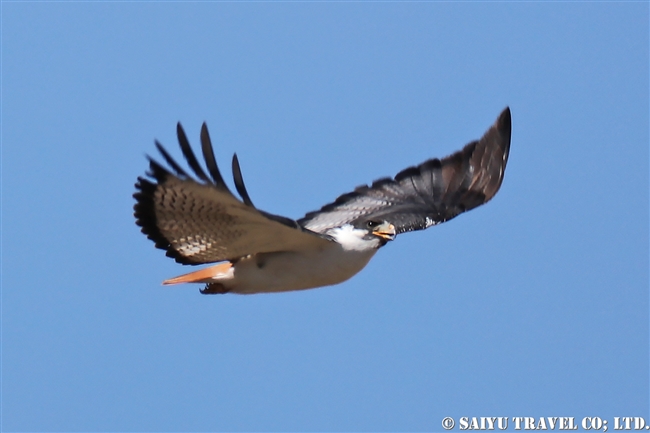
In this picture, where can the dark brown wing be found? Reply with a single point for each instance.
(431, 193)
(204, 222)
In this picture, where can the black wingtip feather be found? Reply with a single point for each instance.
(172, 163)
(210, 160)
(504, 126)
(188, 153)
(157, 171)
(239, 181)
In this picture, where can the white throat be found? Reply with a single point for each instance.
(352, 239)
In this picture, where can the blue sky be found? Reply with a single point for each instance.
(533, 305)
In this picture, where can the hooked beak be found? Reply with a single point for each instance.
(385, 231)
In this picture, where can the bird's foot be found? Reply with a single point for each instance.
(214, 289)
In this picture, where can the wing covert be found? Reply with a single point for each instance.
(428, 194)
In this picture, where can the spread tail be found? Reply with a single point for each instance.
(207, 275)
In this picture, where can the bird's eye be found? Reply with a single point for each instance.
(372, 224)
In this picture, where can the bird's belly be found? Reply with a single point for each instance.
(287, 271)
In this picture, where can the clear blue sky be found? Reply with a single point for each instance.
(533, 305)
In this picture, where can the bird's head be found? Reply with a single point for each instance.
(383, 230)
(364, 235)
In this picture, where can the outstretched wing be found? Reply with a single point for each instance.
(431, 193)
(203, 222)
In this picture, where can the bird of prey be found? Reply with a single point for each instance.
(199, 220)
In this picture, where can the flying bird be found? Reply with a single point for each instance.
(199, 220)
